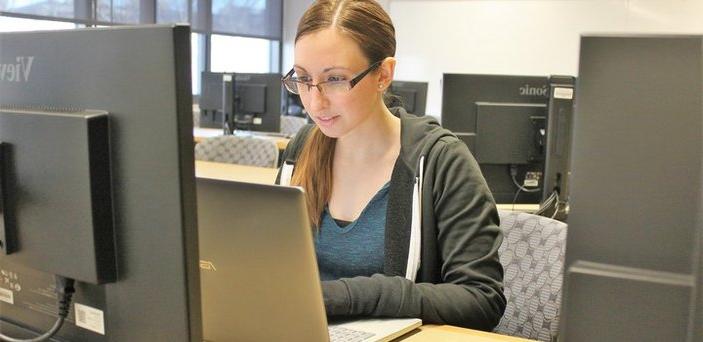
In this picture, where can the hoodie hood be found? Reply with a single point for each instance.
(418, 134)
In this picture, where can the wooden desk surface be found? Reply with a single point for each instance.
(201, 133)
(448, 333)
(266, 175)
(240, 173)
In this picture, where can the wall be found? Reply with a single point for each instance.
(522, 37)
(292, 11)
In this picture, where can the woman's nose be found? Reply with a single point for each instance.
(317, 99)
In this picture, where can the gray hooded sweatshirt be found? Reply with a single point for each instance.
(441, 236)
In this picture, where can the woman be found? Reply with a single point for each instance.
(405, 225)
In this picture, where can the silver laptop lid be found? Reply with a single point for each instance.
(258, 269)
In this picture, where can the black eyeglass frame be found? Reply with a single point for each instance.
(352, 82)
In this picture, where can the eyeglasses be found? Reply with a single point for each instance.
(330, 87)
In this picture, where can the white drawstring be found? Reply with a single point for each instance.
(414, 255)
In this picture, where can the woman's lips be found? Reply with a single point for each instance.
(327, 120)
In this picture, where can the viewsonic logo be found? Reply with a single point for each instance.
(17, 72)
(527, 90)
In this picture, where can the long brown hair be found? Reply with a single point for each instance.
(365, 22)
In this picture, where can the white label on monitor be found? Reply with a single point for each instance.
(563, 93)
(227, 78)
(7, 296)
(531, 182)
(258, 121)
(90, 318)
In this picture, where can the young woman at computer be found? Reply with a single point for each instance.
(405, 225)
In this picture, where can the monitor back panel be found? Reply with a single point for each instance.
(57, 185)
(461, 94)
(633, 270)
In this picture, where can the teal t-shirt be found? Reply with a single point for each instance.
(354, 249)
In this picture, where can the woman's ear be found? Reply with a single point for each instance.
(385, 74)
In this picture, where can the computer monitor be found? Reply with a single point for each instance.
(634, 252)
(137, 81)
(413, 96)
(252, 102)
(557, 163)
(488, 113)
(211, 99)
(294, 105)
(519, 130)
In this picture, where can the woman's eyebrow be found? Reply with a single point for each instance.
(335, 67)
(324, 70)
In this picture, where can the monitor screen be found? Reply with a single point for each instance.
(139, 77)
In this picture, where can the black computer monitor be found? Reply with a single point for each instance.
(210, 103)
(502, 120)
(413, 96)
(252, 102)
(135, 82)
(294, 105)
(519, 130)
(634, 253)
(557, 163)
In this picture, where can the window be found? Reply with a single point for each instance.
(239, 54)
(198, 20)
(118, 11)
(10, 24)
(253, 18)
(172, 11)
(197, 57)
(47, 8)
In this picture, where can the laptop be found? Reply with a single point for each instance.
(259, 276)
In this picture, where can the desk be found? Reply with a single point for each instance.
(201, 133)
(265, 175)
(234, 172)
(448, 333)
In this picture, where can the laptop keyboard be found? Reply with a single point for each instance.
(340, 334)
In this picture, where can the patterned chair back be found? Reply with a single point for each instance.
(290, 125)
(238, 150)
(532, 255)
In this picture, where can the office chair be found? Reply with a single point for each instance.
(238, 150)
(532, 255)
(290, 125)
